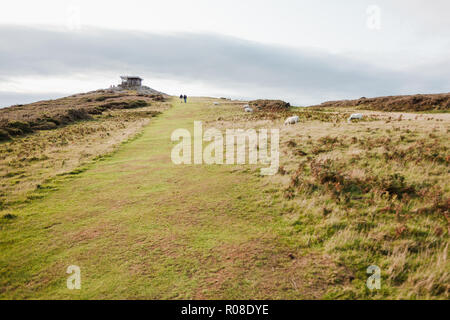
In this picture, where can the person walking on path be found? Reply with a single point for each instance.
(181, 97)
(185, 98)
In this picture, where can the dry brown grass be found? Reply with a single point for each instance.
(269, 105)
(371, 192)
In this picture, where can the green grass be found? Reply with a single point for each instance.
(139, 226)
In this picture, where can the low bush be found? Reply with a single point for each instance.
(4, 135)
(270, 105)
(331, 177)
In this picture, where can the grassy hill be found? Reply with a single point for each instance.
(19, 120)
(54, 137)
(347, 196)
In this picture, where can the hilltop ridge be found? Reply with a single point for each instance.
(417, 102)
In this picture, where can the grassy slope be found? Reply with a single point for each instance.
(141, 227)
(29, 160)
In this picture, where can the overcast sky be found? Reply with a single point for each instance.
(304, 52)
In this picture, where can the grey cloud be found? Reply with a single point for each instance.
(10, 98)
(218, 60)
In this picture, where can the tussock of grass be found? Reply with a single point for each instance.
(9, 216)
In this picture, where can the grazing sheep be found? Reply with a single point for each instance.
(248, 109)
(216, 103)
(358, 116)
(291, 120)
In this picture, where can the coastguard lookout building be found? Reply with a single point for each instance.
(129, 81)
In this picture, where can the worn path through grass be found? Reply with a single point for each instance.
(139, 226)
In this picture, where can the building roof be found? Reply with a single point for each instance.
(130, 77)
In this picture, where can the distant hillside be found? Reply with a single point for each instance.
(18, 120)
(418, 102)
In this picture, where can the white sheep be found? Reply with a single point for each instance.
(216, 103)
(291, 120)
(248, 109)
(358, 116)
(246, 106)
